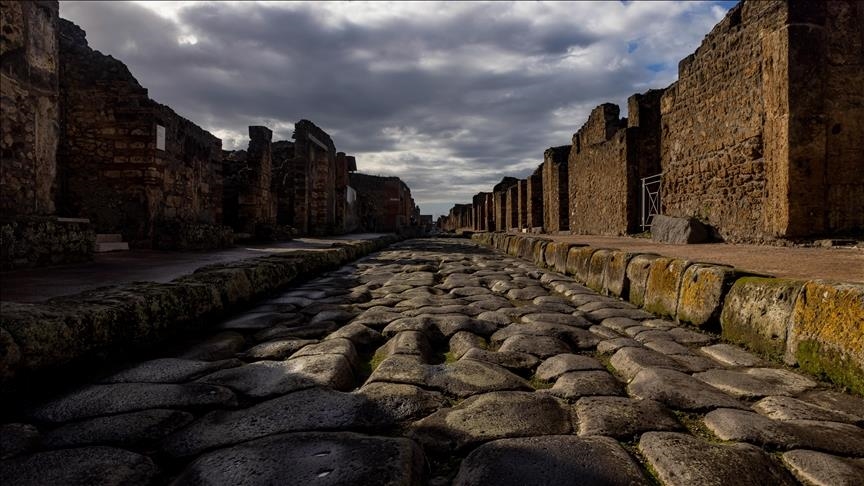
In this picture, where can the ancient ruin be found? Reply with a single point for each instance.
(89, 157)
(760, 137)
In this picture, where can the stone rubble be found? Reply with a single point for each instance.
(437, 361)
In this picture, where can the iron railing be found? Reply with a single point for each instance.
(650, 199)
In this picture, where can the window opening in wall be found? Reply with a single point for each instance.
(650, 199)
(160, 137)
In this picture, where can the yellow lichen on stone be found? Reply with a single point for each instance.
(661, 289)
(826, 335)
(703, 287)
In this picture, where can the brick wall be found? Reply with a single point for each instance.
(512, 206)
(384, 203)
(556, 198)
(522, 204)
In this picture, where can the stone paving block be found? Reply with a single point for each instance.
(667, 347)
(547, 460)
(377, 317)
(684, 460)
(832, 400)
(695, 364)
(491, 416)
(756, 382)
(576, 384)
(630, 361)
(320, 458)
(757, 312)
(311, 409)
(268, 378)
(651, 335)
(79, 467)
(169, 370)
(275, 350)
(703, 287)
(663, 286)
(463, 341)
(731, 355)
(559, 364)
(577, 337)
(463, 378)
(605, 304)
(95, 400)
(619, 324)
(622, 417)
(17, 439)
(254, 320)
(306, 331)
(637, 275)
(527, 293)
(412, 343)
(661, 324)
(223, 345)
(519, 363)
(820, 469)
(602, 314)
(400, 402)
(679, 391)
(610, 346)
(788, 408)
(135, 429)
(742, 426)
(826, 335)
(604, 332)
(360, 335)
(686, 336)
(556, 318)
(540, 346)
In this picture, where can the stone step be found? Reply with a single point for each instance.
(109, 238)
(104, 247)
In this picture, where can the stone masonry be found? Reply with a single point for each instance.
(555, 189)
(522, 207)
(534, 200)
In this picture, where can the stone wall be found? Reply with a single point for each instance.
(44, 240)
(789, 165)
(501, 216)
(249, 200)
(556, 198)
(384, 203)
(478, 211)
(534, 199)
(29, 108)
(608, 158)
(522, 204)
(511, 208)
(152, 168)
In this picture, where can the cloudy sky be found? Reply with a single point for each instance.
(448, 96)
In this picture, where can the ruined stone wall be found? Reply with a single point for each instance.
(534, 199)
(522, 204)
(29, 108)
(108, 140)
(712, 142)
(608, 158)
(556, 198)
(478, 213)
(249, 200)
(306, 176)
(512, 206)
(501, 215)
(384, 203)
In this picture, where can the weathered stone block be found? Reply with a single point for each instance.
(756, 313)
(557, 254)
(637, 275)
(703, 288)
(597, 269)
(539, 252)
(664, 282)
(678, 231)
(826, 333)
(615, 281)
(577, 262)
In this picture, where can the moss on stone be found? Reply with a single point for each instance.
(538, 384)
(829, 364)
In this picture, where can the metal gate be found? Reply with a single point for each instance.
(650, 199)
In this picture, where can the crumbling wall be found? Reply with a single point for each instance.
(384, 203)
(534, 199)
(522, 204)
(608, 158)
(556, 197)
(249, 200)
(511, 209)
(501, 215)
(156, 172)
(29, 108)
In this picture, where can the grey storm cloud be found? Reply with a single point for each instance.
(448, 96)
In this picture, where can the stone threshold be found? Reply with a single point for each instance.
(816, 325)
(39, 337)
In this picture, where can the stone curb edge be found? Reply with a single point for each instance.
(46, 335)
(817, 325)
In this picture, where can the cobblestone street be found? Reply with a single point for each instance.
(438, 361)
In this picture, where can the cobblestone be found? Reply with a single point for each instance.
(436, 361)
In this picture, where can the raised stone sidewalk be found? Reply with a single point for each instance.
(440, 362)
